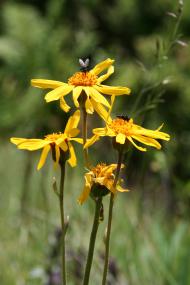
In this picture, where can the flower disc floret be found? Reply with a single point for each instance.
(83, 79)
(121, 126)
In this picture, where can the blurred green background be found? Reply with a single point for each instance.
(151, 235)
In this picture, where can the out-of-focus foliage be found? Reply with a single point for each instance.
(45, 39)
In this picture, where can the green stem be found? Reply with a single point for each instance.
(92, 241)
(61, 204)
(107, 243)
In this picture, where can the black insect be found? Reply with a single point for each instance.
(84, 63)
(124, 117)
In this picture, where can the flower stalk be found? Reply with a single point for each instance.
(61, 205)
(92, 240)
(111, 204)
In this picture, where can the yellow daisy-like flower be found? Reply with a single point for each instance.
(124, 130)
(87, 83)
(99, 181)
(57, 142)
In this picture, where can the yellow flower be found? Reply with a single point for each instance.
(86, 83)
(124, 130)
(57, 142)
(99, 182)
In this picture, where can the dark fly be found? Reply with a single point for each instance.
(84, 64)
(124, 117)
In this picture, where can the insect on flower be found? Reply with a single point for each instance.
(84, 64)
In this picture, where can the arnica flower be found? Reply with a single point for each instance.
(57, 142)
(124, 131)
(84, 83)
(99, 181)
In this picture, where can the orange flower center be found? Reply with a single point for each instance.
(83, 79)
(53, 137)
(100, 171)
(122, 126)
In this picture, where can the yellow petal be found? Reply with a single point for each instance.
(105, 76)
(73, 122)
(57, 154)
(101, 111)
(104, 132)
(120, 138)
(43, 156)
(147, 141)
(121, 189)
(138, 147)
(155, 134)
(63, 146)
(44, 83)
(91, 141)
(102, 65)
(79, 140)
(113, 90)
(72, 160)
(96, 96)
(64, 105)
(29, 144)
(17, 140)
(84, 195)
(58, 92)
(74, 132)
(76, 93)
(89, 106)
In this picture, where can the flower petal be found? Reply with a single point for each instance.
(63, 146)
(63, 105)
(121, 189)
(84, 195)
(105, 76)
(138, 147)
(45, 83)
(29, 144)
(72, 122)
(72, 160)
(120, 138)
(76, 93)
(43, 156)
(89, 106)
(79, 140)
(74, 132)
(91, 141)
(17, 140)
(96, 96)
(113, 90)
(101, 66)
(101, 111)
(57, 154)
(155, 134)
(147, 141)
(104, 132)
(58, 92)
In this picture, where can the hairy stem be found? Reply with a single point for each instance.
(92, 241)
(61, 204)
(107, 242)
